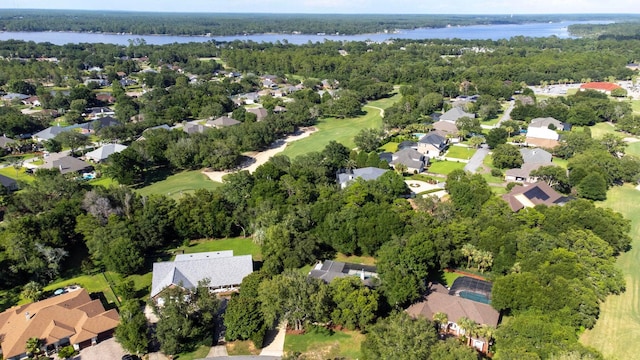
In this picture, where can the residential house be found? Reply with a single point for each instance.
(452, 303)
(14, 96)
(261, 113)
(31, 101)
(5, 142)
(533, 160)
(98, 112)
(604, 87)
(542, 132)
(447, 127)
(433, 144)
(66, 164)
(328, 270)
(549, 123)
(455, 113)
(106, 98)
(530, 195)
(100, 82)
(48, 133)
(279, 109)
(223, 270)
(8, 183)
(102, 153)
(368, 173)
(72, 318)
(192, 127)
(413, 160)
(223, 121)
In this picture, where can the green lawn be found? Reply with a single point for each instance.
(340, 130)
(199, 353)
(560, 162)
(460, 152)
(176, 185)
(445, 167)
(633, 149)
(617, 329)
(10, 171)
(103, 181)
(390, 147)
(366, 260)
(340, 344)
(240, 246)
(93, 283)
(635, 105)
(601, 129)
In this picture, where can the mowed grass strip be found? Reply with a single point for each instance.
(340, 344)
(175, 186)
(617, 329)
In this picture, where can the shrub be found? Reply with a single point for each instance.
(511, 185)
(66, 352)
(496, 172)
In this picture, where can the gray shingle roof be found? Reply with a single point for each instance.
(221, 271)
(368, 173)
(103, 152)
(535, 155)
(455, 113)
(223, 121)
(49, 133)
(434, 138)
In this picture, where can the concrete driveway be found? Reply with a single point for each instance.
(476, 160)
(106, 350)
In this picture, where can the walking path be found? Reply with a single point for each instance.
(276, 346)
(263, 156)
(377, 108)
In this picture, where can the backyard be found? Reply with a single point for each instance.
(615, 333)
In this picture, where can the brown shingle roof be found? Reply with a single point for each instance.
(455, 307)
(72, 315)
(531, 195)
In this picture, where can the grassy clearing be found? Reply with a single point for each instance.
(617, 329)
(176, 185)
(199, 353)
(460, 152)
(240, 246)
(601, 129)
(445, 167)
(560, 162)
(340, 130)
(635, 106)
(340, 344)
(450, 277)
(632, 149)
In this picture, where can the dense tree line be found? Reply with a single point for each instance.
(143, 23)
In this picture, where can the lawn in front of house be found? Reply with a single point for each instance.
(460, 152)
(615, 333)
(200, 352)
(339, 344)
(445, 167)
(175, 186)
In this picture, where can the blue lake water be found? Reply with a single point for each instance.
(490, 32)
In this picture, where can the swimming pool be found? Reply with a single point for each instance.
(474, 297)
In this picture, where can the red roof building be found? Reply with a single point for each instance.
(605, 87)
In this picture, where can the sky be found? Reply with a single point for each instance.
(342, 6)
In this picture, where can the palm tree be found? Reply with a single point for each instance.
(468, 251)
(33, 347)
(350, 164)
(442, 320)
(401, 168)
(467, 326)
